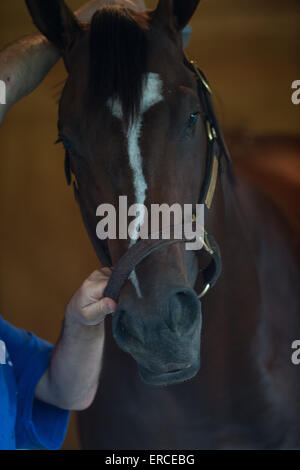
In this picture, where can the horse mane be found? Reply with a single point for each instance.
(118, 58)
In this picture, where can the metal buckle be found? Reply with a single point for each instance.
(209, 131)
(204, 240)
(204, 292)
(206, 245)
(213, 183)
(200, 75)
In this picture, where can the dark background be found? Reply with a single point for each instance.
(250, 51)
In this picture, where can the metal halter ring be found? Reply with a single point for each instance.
(211, 132)
(204, 292)
(200, 75)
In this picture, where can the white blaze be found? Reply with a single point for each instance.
(152, 94)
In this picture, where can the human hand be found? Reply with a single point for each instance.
(88, 306)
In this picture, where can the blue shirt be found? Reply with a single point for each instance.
(25, 422)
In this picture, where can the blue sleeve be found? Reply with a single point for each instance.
(186, 35)
(38, 425)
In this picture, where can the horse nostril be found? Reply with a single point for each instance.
(183, 311)
(126, 328)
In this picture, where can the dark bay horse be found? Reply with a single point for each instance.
(132, 124)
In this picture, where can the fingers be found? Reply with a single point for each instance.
(88, 304)
(138, 5)
(100, 275)
(97, 311)
(92, 291)
(93, 288)
(95, 308)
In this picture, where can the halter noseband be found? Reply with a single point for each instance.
(216, 148)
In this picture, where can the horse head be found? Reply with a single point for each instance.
(130, 120)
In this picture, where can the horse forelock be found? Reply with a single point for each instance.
(118, 58)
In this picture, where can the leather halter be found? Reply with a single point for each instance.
(216, 148)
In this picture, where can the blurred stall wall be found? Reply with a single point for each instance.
(250, 51)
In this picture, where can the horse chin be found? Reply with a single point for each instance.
(169, 378)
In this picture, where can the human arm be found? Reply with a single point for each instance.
(71, 380)
(37, 423)
(25, 63)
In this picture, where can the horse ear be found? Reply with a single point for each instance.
(56, 21)
(184, 11)
(164, 11)
(175, 13)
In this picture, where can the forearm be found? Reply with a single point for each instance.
(71, 380)
(25, 63)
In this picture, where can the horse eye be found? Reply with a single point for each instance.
(193, 119)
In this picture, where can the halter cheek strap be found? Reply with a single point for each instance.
(216, 146)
